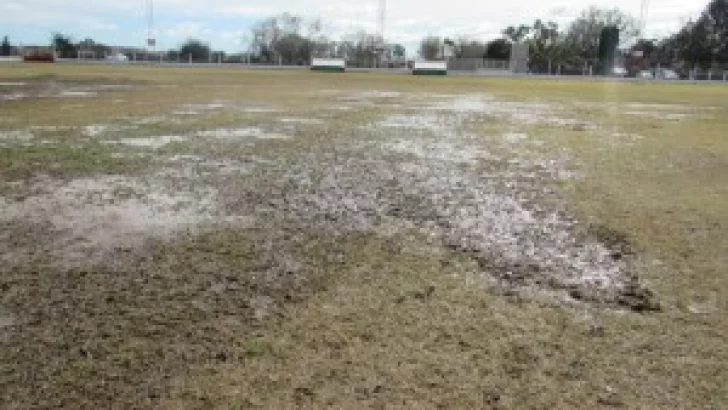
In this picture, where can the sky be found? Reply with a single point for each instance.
(225, 24)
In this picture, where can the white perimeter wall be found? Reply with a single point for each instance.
(431, 65)
(328, 62)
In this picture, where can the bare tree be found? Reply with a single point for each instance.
(265, 35)
(361, 49)
(584, 33)
(281, 39)
(469, 48)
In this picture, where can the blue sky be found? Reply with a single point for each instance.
(225, 23)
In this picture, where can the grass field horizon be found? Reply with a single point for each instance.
(230, 238)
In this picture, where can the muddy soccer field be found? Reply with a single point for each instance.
(221, 238)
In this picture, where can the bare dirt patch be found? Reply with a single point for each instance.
(90, 217)
(16, 136)
(301, 121)
(199, 109)
(75, 93)
(191, 166)
(154, 142)
(437, 177)
(13, 96)
(236, 134)
(416, 250)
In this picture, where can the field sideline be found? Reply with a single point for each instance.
(229, 238)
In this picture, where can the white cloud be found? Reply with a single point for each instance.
(189, 29)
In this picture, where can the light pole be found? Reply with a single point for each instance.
(151, 41)
(381, 47)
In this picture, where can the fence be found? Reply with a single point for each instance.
(658, 72)
(708, 75)
(477, 64)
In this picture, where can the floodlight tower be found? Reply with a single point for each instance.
(381, 17)
(381, 47)
(151, 41)
(644, 9)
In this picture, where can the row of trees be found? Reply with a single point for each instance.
(464, 47)
(593, 36)
(65, 47)
(572, 47)
(290, 39)
(701, 43)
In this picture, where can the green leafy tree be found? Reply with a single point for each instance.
(63, 45)
(5, 48)
(430, 47)
(516, 34)
(499, 49)
(546, 46)
(198, 50)
(98, 50)
(703, 42)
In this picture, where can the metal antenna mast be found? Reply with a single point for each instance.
(151, 42)
(644, 9)
(381, 19)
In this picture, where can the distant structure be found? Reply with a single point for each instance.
(519, 58)
(381, 19)
(380, 32)
(151, 41)
(608, 43)
(644, 9)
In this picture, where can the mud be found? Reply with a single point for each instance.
(75, 94)
(301, 121)
(90, 217)
(437, 178)
(13, 96)
(16, 136)
(423, 170)
(666, 116)
(112, 283)
(94, 130)
(521, 113)
(192, 166)
(259, 110)
(237, 134)
(155, 142)
(199, 109)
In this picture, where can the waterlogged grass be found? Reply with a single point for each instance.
(295, 308)
(64, 161)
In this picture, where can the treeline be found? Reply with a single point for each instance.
(699, 44)
(65, 47)
(575, 46)
(292, 40)
(702, 43)
(193, 49)
(584, 42)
